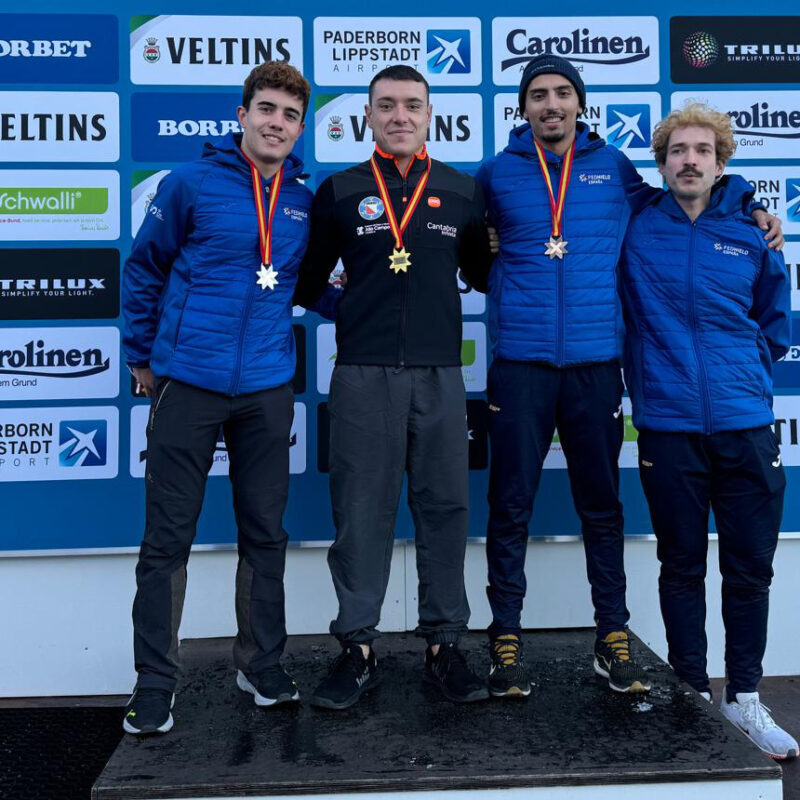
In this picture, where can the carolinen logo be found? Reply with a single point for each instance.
(793, 200)
(83, 443)
(701, 49)
(628, 126)
(759, 119)
(33, 359)
(579, 47)
(371, 208)
(448, 52)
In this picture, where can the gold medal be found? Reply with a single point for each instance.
(556, 247)
(400, 259)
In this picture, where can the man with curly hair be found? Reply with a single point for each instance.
(707, 312)
(207, 305)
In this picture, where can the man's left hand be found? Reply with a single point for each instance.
(772, 226)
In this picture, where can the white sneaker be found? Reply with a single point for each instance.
(706, 696)
(753, 719)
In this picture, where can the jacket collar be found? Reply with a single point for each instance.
(228, 151)
(386, 161)
(520, 142)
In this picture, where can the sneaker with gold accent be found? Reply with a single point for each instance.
(507, 676)
(613, 660)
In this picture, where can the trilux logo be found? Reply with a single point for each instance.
(54, 201)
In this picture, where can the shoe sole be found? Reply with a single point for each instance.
(260, 700)
(637, 687)
(326, 702)
(514, 692)
(165, 728)
(472, 697)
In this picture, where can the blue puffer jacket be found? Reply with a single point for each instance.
(707, 309)
(561, 312)
(192, 307)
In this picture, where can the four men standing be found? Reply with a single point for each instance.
(397, 400)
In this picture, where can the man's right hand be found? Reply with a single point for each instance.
(145, 378)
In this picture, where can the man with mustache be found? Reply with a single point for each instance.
(560, 199)
(707, 312)
(403, 224)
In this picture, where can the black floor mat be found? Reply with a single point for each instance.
(55, 753)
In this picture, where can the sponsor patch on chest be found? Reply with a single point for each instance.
(295, 214)
(593, 177)
(730, 249)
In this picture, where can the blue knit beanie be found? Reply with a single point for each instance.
(548, 64)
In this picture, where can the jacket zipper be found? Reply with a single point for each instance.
(404, 297)
(701, 367)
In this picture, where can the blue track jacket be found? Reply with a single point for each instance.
(707, 310)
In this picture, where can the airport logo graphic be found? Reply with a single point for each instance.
(624, 119)
(628, 126)
(765, 124)
(59, 363)
(58, 444)
(449, 51)
(59, 48)
(176, 49)
(47, 205)
(371, 208)
(793, 199)
(349, 51)
(82, 443)
(605, 50)
(700, 49)
(455, 133)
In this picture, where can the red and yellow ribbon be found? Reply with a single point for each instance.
(556, 207)
(265, 219)
(398, 230)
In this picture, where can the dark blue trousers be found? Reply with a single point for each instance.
(739, 475)
(527, 402)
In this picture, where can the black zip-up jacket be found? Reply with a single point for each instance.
(411, 318)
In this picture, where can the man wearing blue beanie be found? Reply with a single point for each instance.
(561, 200)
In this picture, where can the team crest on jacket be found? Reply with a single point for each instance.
(370, 208)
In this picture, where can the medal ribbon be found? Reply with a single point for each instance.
(556, 208)
(265, 220)
(398, 230)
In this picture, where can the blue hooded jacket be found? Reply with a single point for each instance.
(560, 312)
(192, 307)
(707, 310)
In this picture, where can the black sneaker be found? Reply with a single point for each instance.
(271, 687)
(348, 678)
(613, 660)
(507, 676)
(449, 671)
(148, 712)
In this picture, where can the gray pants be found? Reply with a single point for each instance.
(386, 422)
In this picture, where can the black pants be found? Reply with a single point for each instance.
(386, 422)
(527, 402)
(181, 438)
(738, 474)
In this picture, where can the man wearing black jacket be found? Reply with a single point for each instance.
(403, 225)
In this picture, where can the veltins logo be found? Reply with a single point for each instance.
(59, 126)
(628, 126)
(765, 124)
(700, 49)
(59, 48)
(605, 50)
(58, 444)
(371, 208)
(455, 133)
(787, 428)
(449, 51)
(791, 252)
(210, 50)
(349, 51)
(793, 199)
(82, 442)
(59, 363)
(46, 205)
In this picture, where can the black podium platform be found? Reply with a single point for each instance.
(572, 738)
